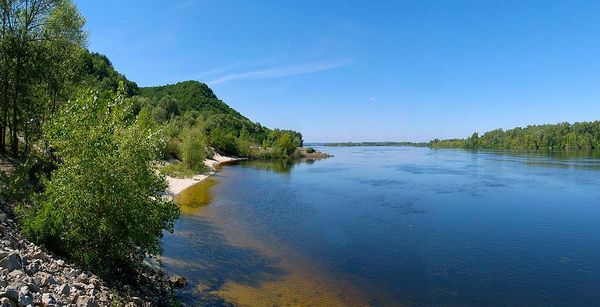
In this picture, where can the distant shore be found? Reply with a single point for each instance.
(177, 185)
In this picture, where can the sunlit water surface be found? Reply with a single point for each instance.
(393, 226)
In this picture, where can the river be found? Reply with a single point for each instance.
(388, 226)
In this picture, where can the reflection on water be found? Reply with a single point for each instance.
(281, 167)
(192, 199)
(391, 226)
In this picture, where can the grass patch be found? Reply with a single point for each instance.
(181, 170)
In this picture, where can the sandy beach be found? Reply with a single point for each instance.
(176, 185)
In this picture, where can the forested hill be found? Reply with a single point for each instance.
(194, 99)
(191, 95)
(562, 136)
(190, 114)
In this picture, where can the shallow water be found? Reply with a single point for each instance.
(393, 226)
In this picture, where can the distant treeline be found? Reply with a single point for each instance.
(344, 144)
(563, 136)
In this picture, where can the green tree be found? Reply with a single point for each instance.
(39, 40)
(194, 147)
(103, 205)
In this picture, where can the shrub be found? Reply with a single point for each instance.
(310, 150)
(193, 147)
(180, 170)
(102, 206)
(225, 143)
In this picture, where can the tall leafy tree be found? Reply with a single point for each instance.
(103, 206)
(39, 39)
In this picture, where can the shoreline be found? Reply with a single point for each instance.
(177, 185)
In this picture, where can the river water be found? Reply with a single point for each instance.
(388, 226)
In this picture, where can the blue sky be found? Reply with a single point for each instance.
(366, 70)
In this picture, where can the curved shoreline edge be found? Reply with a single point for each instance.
(177, 185)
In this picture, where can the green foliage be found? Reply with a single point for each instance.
(179, 170)
(563, 136)
(100, 74)
(223, 142)
(226, 130)
(40, 47)
(103, 205)
(310, 150)
(193, 147)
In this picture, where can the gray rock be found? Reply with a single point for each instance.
(34, 288)
(24, 260)
(16, 274)
(86, 301)
(3, 254)
(10, 294)
(63, 289)
(103, 297)
(82, 278)
(25, 300)
(39, 255)
(11, 262)
(47, 298)
(6, 302)
(93, 292)
(178, 281)
(44, 279)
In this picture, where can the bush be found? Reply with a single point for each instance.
(181, 170)
(193, 147)
(102, 206)
(310, 150)
(224, 143)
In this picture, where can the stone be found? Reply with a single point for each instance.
(11, 262)
(86, 301)
(39, 255)
(24, 260)
(82, 278)
(13, 295)
(93, 292)
(47, 298)
(178, 281)
(44, 279)
(16, 274)
(63, 289)
(34, 288)
(6, 302)
(103, 297)
(25, 300)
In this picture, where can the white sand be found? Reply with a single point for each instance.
(176, 185)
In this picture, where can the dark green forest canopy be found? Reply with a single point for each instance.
(562, 136)
(192, 103)
(193, 99)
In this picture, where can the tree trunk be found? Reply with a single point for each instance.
(14, 140)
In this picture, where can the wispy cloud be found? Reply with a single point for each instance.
(182, 5)
(280, 72)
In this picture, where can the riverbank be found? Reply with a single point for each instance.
(30, 275)
(176, 185)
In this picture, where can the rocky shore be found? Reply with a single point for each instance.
(31, 276)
